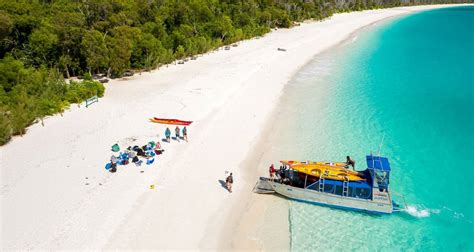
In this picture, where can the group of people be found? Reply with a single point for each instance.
(147, 152)
(177, 134)
(133, 155)
(272, 171)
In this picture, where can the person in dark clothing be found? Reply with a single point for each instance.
(185, 134)
(281, 172)
(176, 131)
(113, 167)
(140, 152)
(351, 162)
(168, 134)
(229, 181)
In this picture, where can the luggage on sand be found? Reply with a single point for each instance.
(115, 148)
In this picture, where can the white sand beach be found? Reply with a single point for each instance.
(56, 194)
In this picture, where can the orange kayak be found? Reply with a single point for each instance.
(170, 121)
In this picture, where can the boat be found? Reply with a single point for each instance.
(369, 194)
(170, 121)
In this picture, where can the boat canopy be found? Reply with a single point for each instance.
(378, 163)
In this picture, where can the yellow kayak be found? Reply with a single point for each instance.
(328, 172)
(294, 162)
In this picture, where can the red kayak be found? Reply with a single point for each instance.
(170, 121)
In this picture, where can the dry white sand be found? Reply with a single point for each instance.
(56, 194)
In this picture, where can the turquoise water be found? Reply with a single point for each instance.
(410, 78)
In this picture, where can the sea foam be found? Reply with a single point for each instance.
(420, 213)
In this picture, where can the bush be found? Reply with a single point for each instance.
(5, 127)
(28, 94)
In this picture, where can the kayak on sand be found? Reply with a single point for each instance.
(170, 121)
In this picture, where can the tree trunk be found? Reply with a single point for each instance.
(109, 70)
(67, 72)
(42, 123)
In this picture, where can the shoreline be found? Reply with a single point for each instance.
(276, 206)
(231, 96)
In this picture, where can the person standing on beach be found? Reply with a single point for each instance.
(168, 134)
(229, 181)
(185, 134)
(176, 130)
(272, 172)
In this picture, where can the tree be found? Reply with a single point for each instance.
(95, 50)
(6, 25)
(120, 50)
(43, 42)
(5, 125)
(179, 53)
(21, 116)
(223, 27)
(146, 52)
(64, 63)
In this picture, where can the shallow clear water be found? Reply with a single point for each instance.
(410, 78)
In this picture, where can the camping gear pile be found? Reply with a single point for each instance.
(136, 155)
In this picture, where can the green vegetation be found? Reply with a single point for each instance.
(27, 94)
(41, 42)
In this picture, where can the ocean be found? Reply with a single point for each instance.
(408, 80)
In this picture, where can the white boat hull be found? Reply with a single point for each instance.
(381, 202)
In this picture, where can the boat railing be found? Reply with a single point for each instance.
(401, 196)
(311, 185)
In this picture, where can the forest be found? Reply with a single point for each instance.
(44, 43)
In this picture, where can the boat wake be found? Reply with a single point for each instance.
(420, 212)
(456, 215)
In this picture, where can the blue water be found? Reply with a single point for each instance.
(410, 78)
